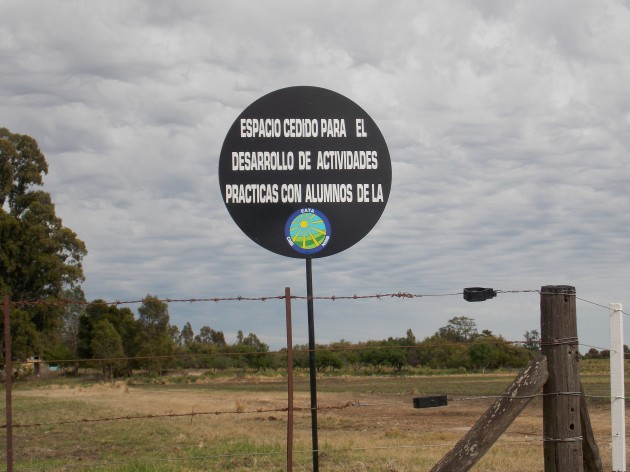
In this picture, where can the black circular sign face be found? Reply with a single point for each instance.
(305, 172)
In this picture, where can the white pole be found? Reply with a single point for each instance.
(617, 406)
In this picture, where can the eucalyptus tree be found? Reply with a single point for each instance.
(39, 256)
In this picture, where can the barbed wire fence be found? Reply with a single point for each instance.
(350, 405)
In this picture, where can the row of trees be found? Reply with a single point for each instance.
(118, 342)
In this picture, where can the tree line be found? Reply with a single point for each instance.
(118, 342)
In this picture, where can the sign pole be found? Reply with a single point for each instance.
(287, 302)
(311, 358)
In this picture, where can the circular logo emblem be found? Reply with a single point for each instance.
(307, 231)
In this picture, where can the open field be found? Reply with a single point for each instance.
(366, 424)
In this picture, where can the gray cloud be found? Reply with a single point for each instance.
(506, 122)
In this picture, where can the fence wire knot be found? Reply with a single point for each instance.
(559, 341)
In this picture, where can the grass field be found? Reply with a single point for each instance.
(366, 423)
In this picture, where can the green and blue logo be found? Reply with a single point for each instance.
(307, 231)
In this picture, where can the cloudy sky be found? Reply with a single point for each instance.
(508, 126)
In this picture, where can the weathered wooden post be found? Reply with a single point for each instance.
(562, 429)
(471, 448)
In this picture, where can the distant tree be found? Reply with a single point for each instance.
(173, 332)
(348, 353)
(379, 355)
(300, 356)
(25, 338)
(220, 363)
(207, 335)
(532, 340)
(460, 329)
(409, 343)
(204, 336)
(592, 354)
(218, 338)
(153, 339)
(70, 318)
(39, 257)
(255, 342)
(186, 336)
(107, 347)
(68, 345)
(121, 319)
(438, 352)
(480, 355)
(252, 352)
(326, 359)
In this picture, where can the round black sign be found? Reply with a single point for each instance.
(305, 172)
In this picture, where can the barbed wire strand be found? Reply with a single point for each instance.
(378, 296)
(343, 406)
(191, 414)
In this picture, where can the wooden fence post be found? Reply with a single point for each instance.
(562, 429)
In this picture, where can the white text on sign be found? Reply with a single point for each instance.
(298, 128)
(303, 193)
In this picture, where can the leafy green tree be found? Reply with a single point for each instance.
(173, 332)
(153, 339)
(252, 352)
(301, 356)
(255, 342)
(186, 336)
(532, 340)
(39, 257)
(460, 329)
(592, 353)
(207, 335)
(25, 338)
(122, 319)
(348, 352)
(107, 348)
(481, 355)
(67, 347)
(326, 359)
(378, 355)
(438, 352)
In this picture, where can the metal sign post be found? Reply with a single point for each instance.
(311, 361)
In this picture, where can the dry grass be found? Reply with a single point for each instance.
(375, 429)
